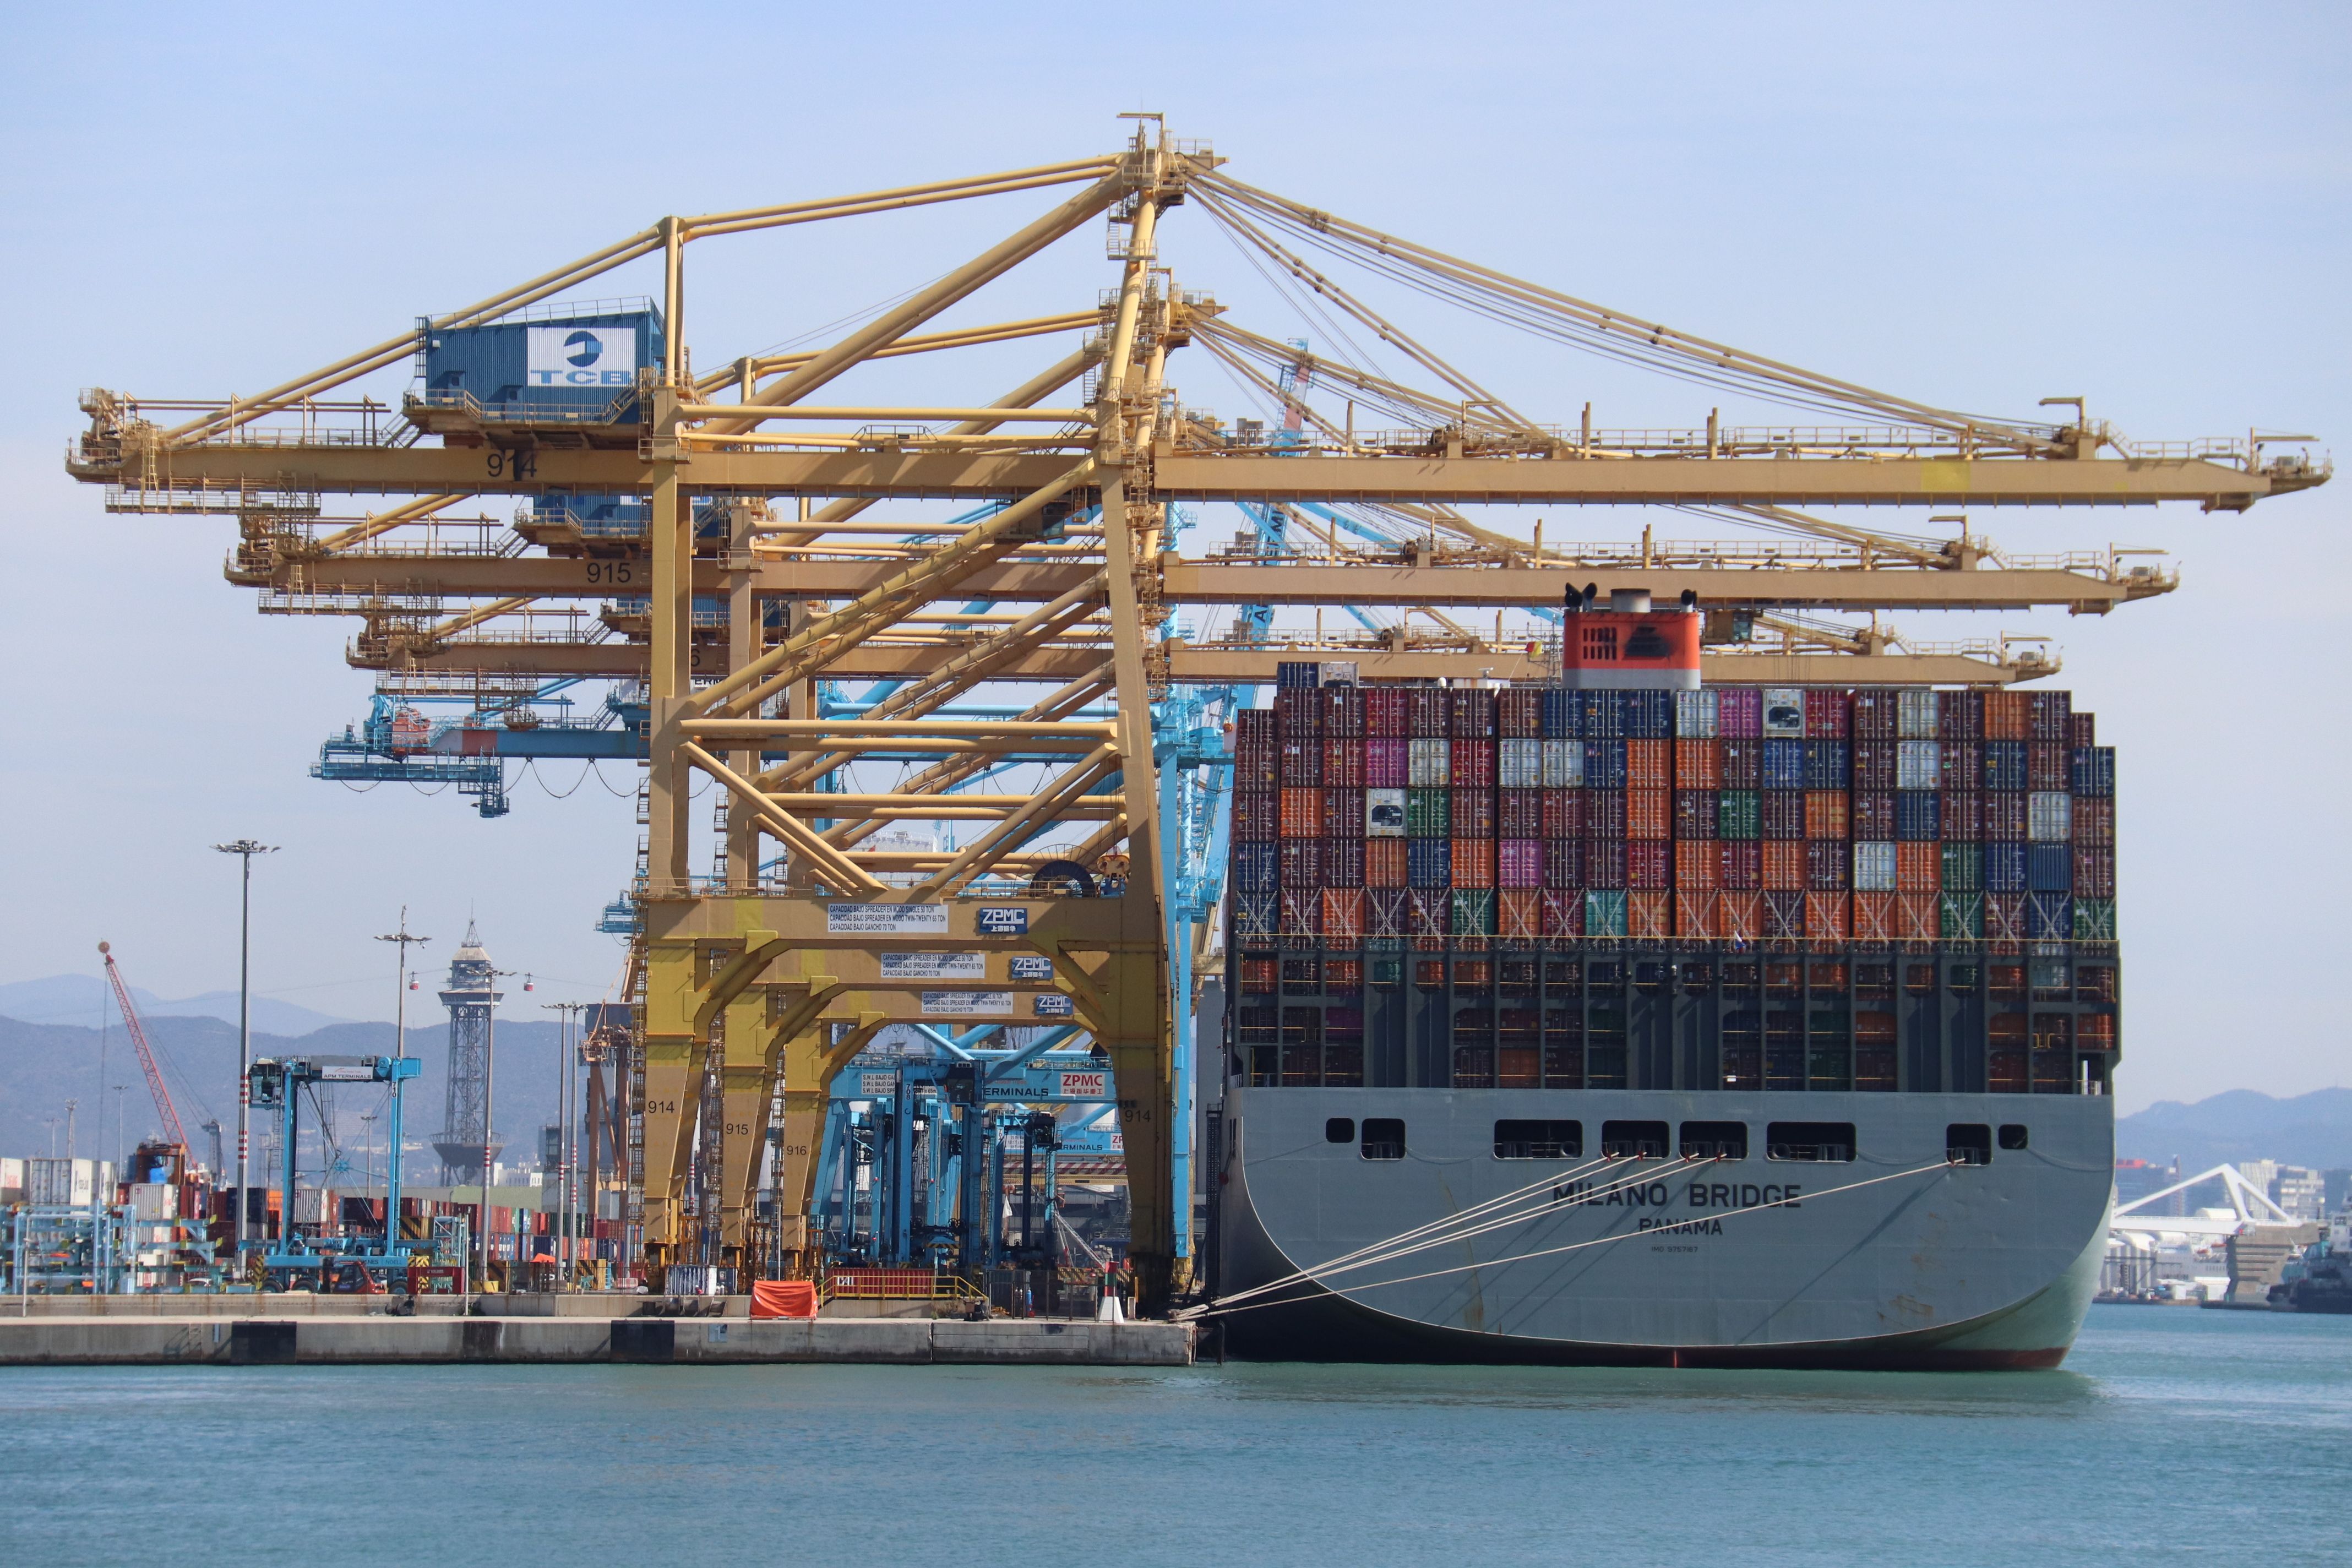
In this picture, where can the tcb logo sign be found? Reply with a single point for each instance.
(582, 356)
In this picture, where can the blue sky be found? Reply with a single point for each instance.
(1976, 206)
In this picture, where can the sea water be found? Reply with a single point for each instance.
(2171, 1435)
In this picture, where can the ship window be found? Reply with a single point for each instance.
(1967, 1143)
(1339, 1130)
(1715, 1141)
(1632, 1140)
(2013, 1136)
(1826, 1141)
(1383, 1137)
(1538, 1139)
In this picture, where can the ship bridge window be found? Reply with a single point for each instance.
(1383, 1137)
(1967, 1143)
(1632, 1140)
(2013, 1136)
(1715, 1141)
(1538, 1139)
(1825, 1141)
(1339, 1130)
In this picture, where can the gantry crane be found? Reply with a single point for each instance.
(707, 535)
(167, 1113)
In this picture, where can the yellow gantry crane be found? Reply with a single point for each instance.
(752, 492)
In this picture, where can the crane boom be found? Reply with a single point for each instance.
(164, 1106)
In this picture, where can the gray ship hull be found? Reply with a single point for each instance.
(1895, 1259)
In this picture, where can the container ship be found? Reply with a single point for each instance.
(1628, 1020)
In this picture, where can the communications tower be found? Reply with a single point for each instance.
(469, 995)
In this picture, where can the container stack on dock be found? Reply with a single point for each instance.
(1732, 830)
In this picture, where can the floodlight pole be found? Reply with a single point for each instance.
(246, 850)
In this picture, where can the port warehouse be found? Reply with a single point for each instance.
(1791, 888)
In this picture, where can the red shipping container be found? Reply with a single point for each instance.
(1694, 914)
(2049, 765)
(1784, 916)
(2004, 814)
(1874, 713)
(1470, 763)
(1649, 916)
(1519, 814)
(1604, 813)
(1343, 861)
(1385, 913)
(1963, 815)
(2007, 716)
(1302, 863)
(1428, 910)
(1741, 762)
(2054, 716)
(1829, 917)
(1959, 716)
(1518, 912)
(1697, 865)
(1384, 712)
(1827, 864)
(1299, 713)
(1343, 710)
(1874, 917)
(2085, 727)
(1825, 815)
(1384, 862)
(1698, 764)
(1649, 813)
(1518, 712)
(1256, 727)
(1962, 763)
(1302, 814)
(2005, 913)
(1918, 868)
(1649, 764)
(1873, 815)
(1562, 913)
(1385, 763)
(1343, 761)
(1343, 814)
(1257, 768)
(1474, 862)
(1783, 814)
(2095, 873)
(1563, 812)
(1302, 912)
(1743, 864)
(1257, 816)
(1518, 863)
(1649, 863)
(1563, 863)
(1695, 813)
(1604, 862)
(1740, 915)
(1470, 713)
(1472, 814)
(1343, 912)
(1873, 765)
(1915, 917)
(1426, 712)
(1784, 864)
(2093, 820)
(1302, 762)
(1829, 715)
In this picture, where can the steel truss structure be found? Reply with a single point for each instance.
(744, 583)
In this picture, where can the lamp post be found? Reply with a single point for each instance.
(399, 1050)
(245, 849)
(567, 1015)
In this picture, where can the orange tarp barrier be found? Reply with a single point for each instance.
(783, 1298)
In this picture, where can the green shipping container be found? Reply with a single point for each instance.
(1964, 868)
(1962, 916)
(1429, 814)
(1474, 912)
(1738, 814)
(2095, 919)
(1604, 911)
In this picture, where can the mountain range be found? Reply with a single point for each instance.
(85, 999)
(2313, 1130)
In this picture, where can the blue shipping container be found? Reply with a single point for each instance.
(1605, 764)
(1254, 915)
(1297, 675)
(1604, 716)
(1257, 867)
(1429, 862)
(1918, 815)
(2095, 770)
(578, 368)
(2049, 917)
(2004, 765)
(1784, 765)
(1561, 714)
(2050, 867)
(1650, 715)
(2004, 868)
(1827, 764)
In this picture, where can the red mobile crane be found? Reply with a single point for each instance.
(164, 1106)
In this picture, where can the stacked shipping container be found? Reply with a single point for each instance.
(1436, 817)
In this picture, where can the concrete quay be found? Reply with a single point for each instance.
(341, 1338)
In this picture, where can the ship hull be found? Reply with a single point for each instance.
(1897, 1259)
